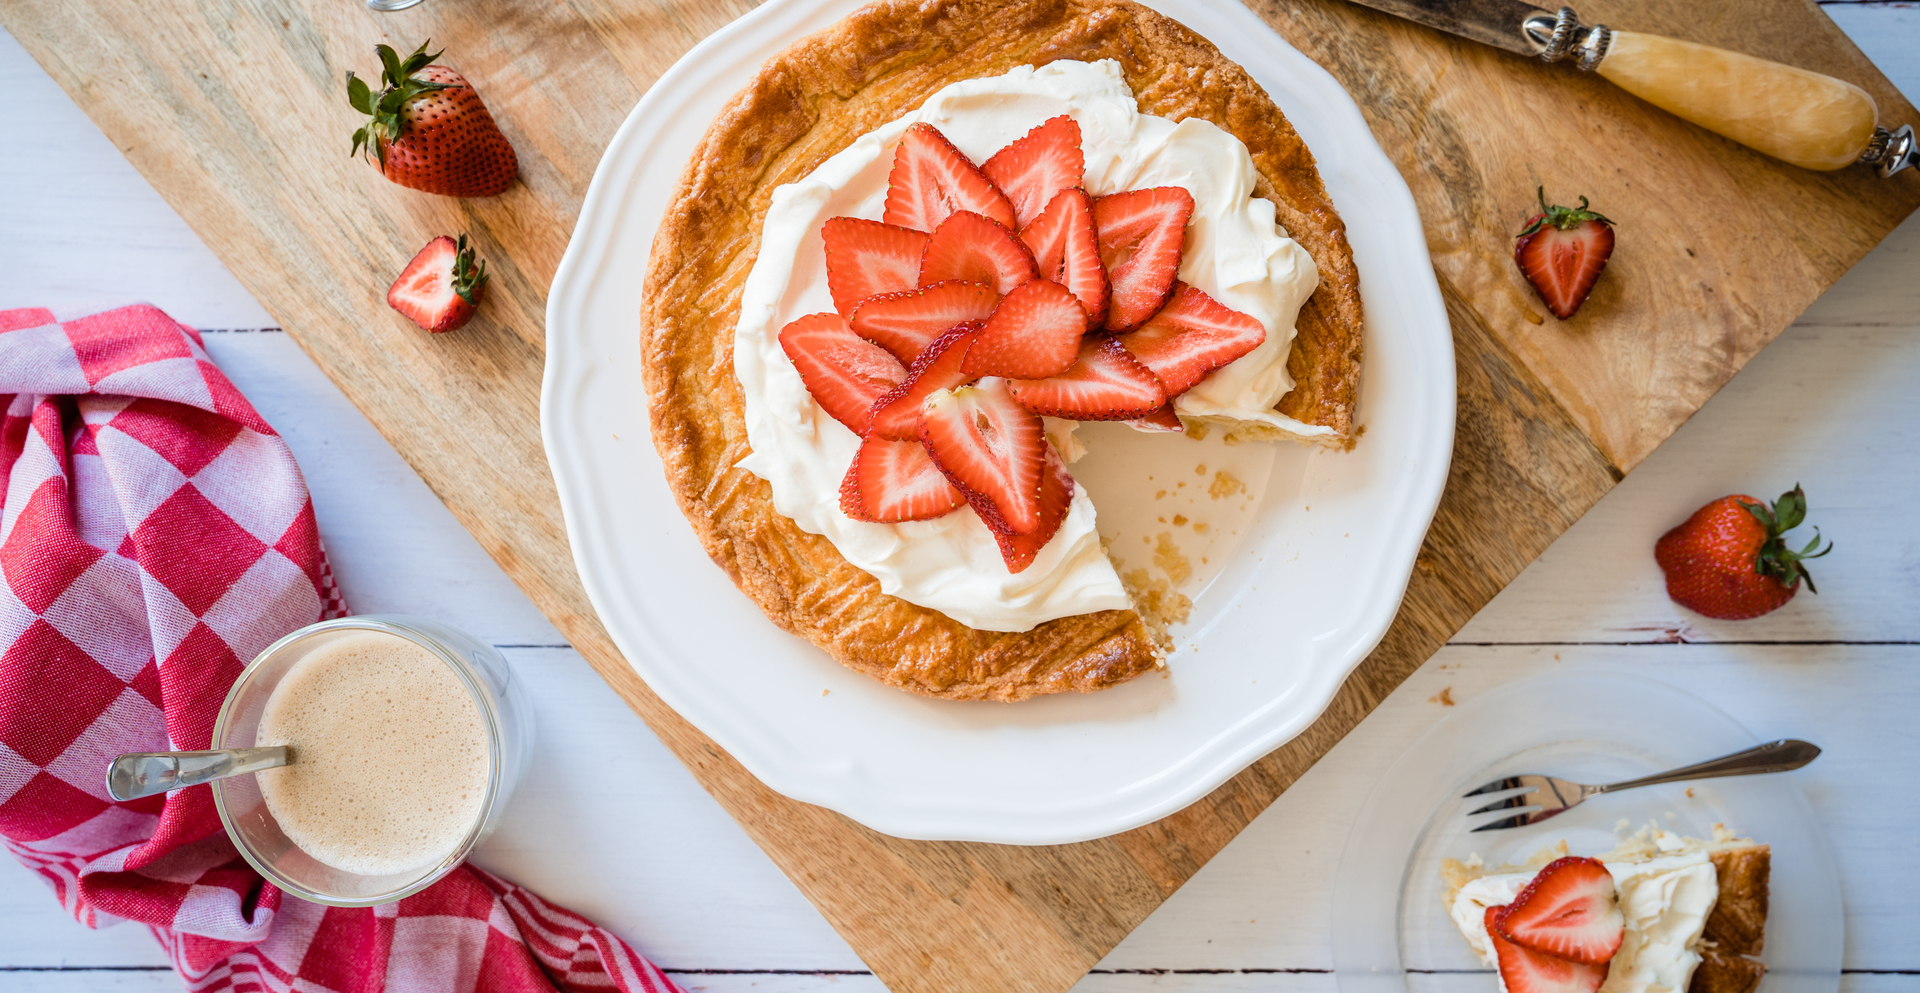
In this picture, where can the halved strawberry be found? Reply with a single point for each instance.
(897, 413)
(845, 372)
(1033, 334)
(893, 481)
(970, 247)
(1103, 384)
(1162, 419)
(1523, 970)
(1141, 235)
(1056, 497)
(1034, 168)
(868, 258)
(1066, 252)
(931, 179)
(1562, 252)
(903, 323)
(991, 446)
(1570, 910)
(441, 286)
(1192, 336)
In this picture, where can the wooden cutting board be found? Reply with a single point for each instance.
(234, 111)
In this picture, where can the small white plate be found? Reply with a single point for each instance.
(1391, 931)
(1322, 558)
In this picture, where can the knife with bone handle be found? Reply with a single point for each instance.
(1797, 116)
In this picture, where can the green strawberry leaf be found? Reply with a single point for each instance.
(1775, 558)
(391, 72)
(358, 94)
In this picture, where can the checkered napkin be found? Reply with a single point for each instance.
(155, 535)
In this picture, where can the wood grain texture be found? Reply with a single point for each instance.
(232, 111)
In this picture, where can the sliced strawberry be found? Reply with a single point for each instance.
(1104, 383)
(1141, 234)
(1162, 419)
(903, 323)
(973, 248)
(845, 372)
(1192, 336)
(1066, 252)
(893, 481)
(1033, 334)
(1056, 496)
(868, 258)
(441, 286)
(1562, 252)
(1523, 970)
(931, 179)
(1035, 168)
(897, 414)
(990, 446)
(1570, 910)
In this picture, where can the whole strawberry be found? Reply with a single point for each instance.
(1730, 559)
(430, 131)
(1562, 251)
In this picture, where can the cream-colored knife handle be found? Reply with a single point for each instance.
(1801, 117)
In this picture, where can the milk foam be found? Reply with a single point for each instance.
(389, 755)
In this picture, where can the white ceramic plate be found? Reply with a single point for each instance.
(1325, 547)
(1391, 934)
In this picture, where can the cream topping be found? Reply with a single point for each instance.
(1665, 901)
(1235, 253)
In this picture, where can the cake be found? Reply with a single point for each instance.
(981, 601)
(1692, 915)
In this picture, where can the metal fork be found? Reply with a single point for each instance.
(1529, 799)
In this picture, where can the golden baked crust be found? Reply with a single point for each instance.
(1739, 919)
(808, 103)
(1737, 925)
(1719, 973)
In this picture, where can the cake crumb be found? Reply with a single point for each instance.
(1157, 603)
(1197, 430)
(1200, 470)
(1200, 527)
(1179, 520)
(1168, 557)
(825, 692)
(1225, 484)
(1160, 495)
(1444, 698)
(1689, 792)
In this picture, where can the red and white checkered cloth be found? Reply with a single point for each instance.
(155, 535)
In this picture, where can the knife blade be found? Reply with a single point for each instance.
(1489, 22)
(1813, 121)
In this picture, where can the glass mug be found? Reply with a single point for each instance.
(504, 712)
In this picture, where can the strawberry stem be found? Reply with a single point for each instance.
(468, 278)
(1564, 218)
(398, 88)
(1775, 558)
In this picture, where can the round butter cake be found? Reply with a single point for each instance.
(813, 102)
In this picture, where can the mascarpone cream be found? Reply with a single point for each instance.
(1665, 900)
(1235, 253)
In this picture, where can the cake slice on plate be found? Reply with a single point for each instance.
(1661, 912)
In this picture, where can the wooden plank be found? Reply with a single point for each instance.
(1550, 416)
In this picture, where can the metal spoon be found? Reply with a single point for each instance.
(138, 774)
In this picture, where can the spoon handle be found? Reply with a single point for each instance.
(138, 774)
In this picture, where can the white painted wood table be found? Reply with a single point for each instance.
(637, 845)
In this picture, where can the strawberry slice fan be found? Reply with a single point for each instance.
(1009, 277)
(155, 535)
